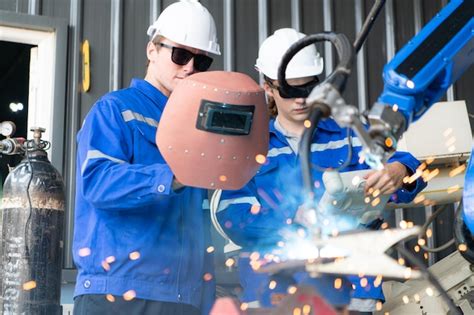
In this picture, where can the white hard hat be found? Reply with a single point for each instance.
(307, 62)
(188, 23)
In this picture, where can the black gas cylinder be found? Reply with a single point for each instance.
(32, 232)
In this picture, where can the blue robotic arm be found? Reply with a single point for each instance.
(419, 74)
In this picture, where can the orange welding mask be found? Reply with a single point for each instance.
(214, 130)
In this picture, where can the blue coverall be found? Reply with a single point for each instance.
(133, 233)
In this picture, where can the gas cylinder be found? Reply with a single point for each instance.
(32, 231)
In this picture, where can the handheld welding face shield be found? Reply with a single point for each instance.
(213, 128)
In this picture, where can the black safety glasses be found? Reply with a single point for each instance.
(181, 56)
(303, 90)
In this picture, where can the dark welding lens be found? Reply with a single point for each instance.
(303, 90)
(226, 119)
(181, 57)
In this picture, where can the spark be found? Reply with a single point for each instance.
(363, 282)
(401, 261)
(429, 233)
(378, 281)
(306, 309)
(110, 259)
(376, 193)
(210, 249)
(134, 255)
(395, 107)
(431, 175)
(419, 198)
(410, 84)
(407, 273)
(292, 289)
(375, 202)
(110, 298)
(378, 306)
(450, 141)
(453, 189)
(405, 299)
(457, 170)
(462, 247)
(307, 123)
(296, 311)
(83, 252)
(367, 199)
(409, 224)
(430, 160)
(260, 158)
(129, 295)
(223, 178)
(429, 291)
(421, 242)
(452, 148)
(447, 132)
(27, 286)
(355, 180)
(417, 297)
(417, 248)
(388, 142)
(207, 276)
(289, 221)
(229, 262)
(403, 224)
(338, 283)
(254, 256)
(255, 209)
(244, 306)
(272, 285)
(105, 265)
(384, 226)
(425, 255)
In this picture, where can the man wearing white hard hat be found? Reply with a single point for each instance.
(141, 238)
(263, 217)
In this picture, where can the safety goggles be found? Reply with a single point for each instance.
(181, 56)
(303, 90)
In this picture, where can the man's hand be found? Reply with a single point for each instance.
(387, 180)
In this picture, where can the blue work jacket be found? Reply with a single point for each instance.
(277, 191)
(133, 234)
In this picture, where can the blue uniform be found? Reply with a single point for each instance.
(133, 233)
(277, 190)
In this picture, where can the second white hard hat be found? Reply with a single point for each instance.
(188, 23)
(307, 62)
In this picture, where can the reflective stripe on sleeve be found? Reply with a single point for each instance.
(96, 154)
(128, 115)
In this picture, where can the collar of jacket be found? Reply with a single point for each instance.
(150, 92)
(328, 125)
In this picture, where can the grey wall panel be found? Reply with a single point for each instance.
(344, 21)
(312, 20)
(216, 8)
(279, 15)
(246, 38)
(58, 8)
(430, 8)
(17, 6)
(135, 39)
(404, 22)
(376, 55)
(464, 91)
(96, 29)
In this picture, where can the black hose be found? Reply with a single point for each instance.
(368, 23)
(305, 150)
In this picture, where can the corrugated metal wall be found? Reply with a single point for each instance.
(116, 30)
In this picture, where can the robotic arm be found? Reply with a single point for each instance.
(419, 74)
